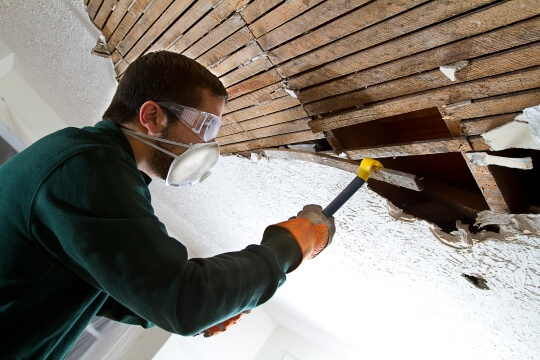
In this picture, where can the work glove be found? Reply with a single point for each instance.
(311, 229)
(221, 327)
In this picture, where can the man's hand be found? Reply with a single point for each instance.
(312, 230)
(221, 327)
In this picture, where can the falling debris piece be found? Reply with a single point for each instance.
(477, 280)
(484, 159)
(399, 214)
(451, 70)
(523, 132)
(460, 238)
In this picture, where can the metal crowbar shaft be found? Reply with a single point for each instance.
(366, 166)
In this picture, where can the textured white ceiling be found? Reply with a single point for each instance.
(386, 288)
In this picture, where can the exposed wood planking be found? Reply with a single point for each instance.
(394, 177)
(284, 128)
(257, 8)
(116, 17)
(481, 125)
(262, 121)
(216, 36)
(459, 200)
(479, 45)
(503, 104)
(277, 140)
(478, 143)
(254, 67)
(151, 14)
(512, 60)
(438, 146)
(254, 83)
(312, 18)
(116, 56)
(104, 12)
(487, 184)
(340, 27)
(267, 93)
(268, 107)
(221, 51)
(485, 159)
(93, 7)
(127, 22)
(215, 17)
(172, 12)
(120, 67)
(496, 85)
(193, 15)
(240, 57)
(452, 30)
(280, 15)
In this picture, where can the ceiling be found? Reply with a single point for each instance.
(361, 78)
(384, 288)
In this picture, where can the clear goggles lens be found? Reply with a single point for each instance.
(205, 125)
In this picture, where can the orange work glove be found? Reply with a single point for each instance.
(312, 230)
(221, 327)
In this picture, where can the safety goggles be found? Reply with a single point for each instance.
(204, 125)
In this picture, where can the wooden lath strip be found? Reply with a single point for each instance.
(480, 45)
(312, 18)
(104, 12)
(438, 146)
(278, 129)
(512, 60)
(394, 177)
(262, 121)
(468, 25)
(254, 67)
(215, 17)
(280, 15)
(216, 36)
(152, 13)
(265, 94)
(508, 103)
(492, 86)
(93, 7)
(257, 8)
(361, 18)
(236, 60)
(226, 47)
(480, 125)
(257, 110)
(172, 13)
(271, 141)
(136, 11)
(254, 83)
(116, 17)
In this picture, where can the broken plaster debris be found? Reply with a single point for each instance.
(101, 48)
(451, 70)
(484, 159)
(523, 132)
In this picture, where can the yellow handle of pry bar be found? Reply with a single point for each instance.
(366, 166)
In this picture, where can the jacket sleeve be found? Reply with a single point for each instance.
(97, 208)
(113, 310)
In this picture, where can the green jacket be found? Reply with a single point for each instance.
(79, 238)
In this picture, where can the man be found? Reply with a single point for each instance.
(79, 237)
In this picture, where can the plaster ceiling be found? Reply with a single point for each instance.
(384, 288)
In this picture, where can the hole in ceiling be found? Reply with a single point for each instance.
(477, 280)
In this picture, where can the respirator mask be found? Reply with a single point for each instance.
(192, 166)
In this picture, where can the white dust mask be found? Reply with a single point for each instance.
(189, 168)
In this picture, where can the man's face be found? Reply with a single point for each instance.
(160, 162)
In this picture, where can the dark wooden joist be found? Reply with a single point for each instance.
(394, 177)
(500, 63)
(271, 141)
(488, 87)
(438, 146)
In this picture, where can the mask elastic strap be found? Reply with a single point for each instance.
(137, 135)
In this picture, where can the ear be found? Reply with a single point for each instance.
(152, 118)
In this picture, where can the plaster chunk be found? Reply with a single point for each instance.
(450, 70)
(523, 132)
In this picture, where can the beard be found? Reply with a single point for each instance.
(159, 162)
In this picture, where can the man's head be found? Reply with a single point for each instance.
(161, 76)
